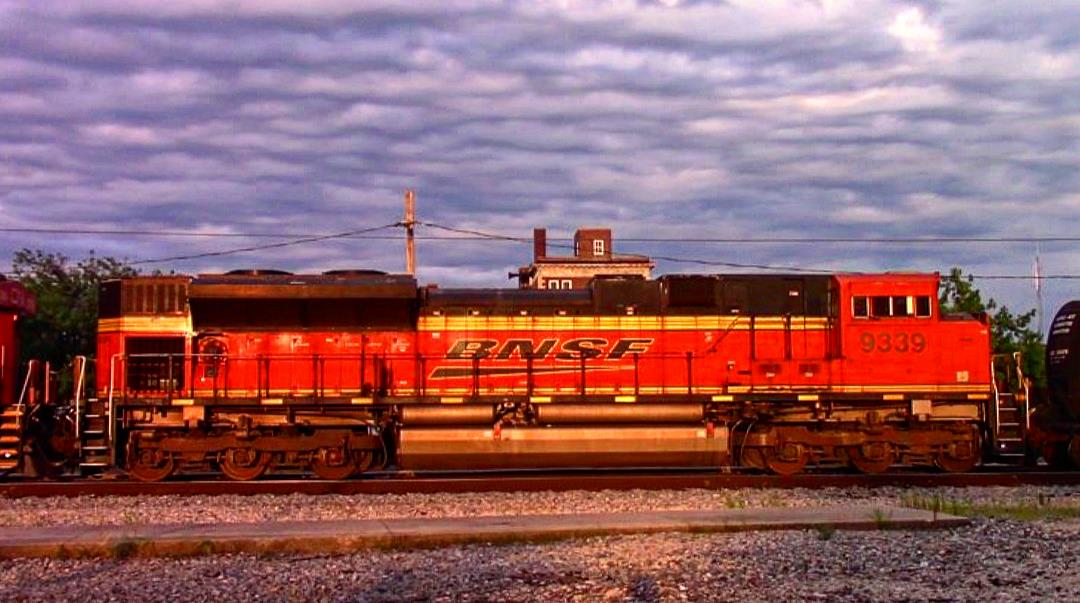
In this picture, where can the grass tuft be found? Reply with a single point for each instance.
(882, 518)
(1041, 508)
(826, 531)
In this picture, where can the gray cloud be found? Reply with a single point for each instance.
(679, 119)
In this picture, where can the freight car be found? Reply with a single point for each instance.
(349, 371)
(1056, 424)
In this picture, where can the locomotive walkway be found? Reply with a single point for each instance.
(348, 536)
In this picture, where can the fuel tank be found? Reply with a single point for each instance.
(562, 447)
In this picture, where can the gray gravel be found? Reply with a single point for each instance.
(991, 560)
(114, 510)
(988, 561)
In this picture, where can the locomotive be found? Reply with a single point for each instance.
(15, 302)
(351, 371)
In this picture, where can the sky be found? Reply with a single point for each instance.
(663, 119)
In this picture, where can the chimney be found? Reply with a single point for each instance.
(539, 243)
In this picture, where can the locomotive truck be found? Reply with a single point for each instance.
(351, 371)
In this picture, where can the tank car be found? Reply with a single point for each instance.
(1057, 422)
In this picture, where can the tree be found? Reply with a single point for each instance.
(1008, 332)
(67, 304)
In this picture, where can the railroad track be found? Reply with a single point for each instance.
(563, 481)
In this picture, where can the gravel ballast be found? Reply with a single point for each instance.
(988, 560)
(992, 560)
(125, 510)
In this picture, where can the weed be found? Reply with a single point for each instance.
(882, 518)
(1041, 508)
(125, 549)
(825, 531)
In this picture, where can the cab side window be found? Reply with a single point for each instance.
(891, 306)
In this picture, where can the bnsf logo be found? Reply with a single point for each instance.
(571, 349)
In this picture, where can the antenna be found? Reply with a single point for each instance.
(1037, 273)
(410, 226)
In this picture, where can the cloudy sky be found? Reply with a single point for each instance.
(667, 119)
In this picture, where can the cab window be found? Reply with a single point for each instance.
(890, 306)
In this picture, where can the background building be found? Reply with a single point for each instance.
(593, 256)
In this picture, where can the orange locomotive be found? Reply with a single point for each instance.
(352, 370)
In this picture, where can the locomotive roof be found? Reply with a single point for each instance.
(309, 286)
(510, 297)
(15, 297)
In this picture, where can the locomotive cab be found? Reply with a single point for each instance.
(894, 336)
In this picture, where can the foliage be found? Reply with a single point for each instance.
(1009, 332)
(67, 303)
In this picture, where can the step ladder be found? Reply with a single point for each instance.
(12, 432)
(95, 453)
(1010, 412)
(91, 425)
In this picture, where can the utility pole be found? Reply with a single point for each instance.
(410, 226)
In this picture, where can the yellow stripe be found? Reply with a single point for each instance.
(617, 323)
(540, 399)
(451, 400)
(892, 397)
(146, 324)
(272, 401)
(361, 400)
(723, 398)
(183, 402)
(809, 397)
(626, 398)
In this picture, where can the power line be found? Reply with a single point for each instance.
(470, 234)
(291, 243)
(727, 264)
(476, 235)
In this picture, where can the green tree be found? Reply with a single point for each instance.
(67, 304)
(1009, 332)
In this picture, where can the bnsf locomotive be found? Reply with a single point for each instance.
(348, 371)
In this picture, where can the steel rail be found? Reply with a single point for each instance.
(561, 482)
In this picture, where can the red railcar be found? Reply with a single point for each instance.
(15, 301)
(341, 371)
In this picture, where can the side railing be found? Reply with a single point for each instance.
(171, 376)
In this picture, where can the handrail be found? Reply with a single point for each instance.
(1026, 385)
(997, 402)
(80, 378)
(26, 383)
(112, 389)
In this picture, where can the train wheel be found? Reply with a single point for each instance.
(872, 457)
(336, 464)
(244, 464)
(150, 465)
(959, 457)
(1073, 451)
(788, 459)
